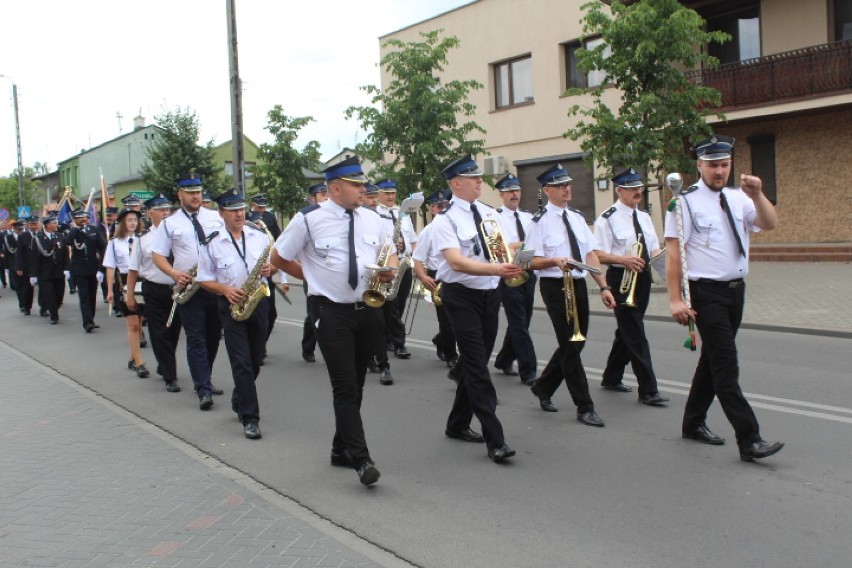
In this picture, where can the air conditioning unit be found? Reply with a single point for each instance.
(495, 165)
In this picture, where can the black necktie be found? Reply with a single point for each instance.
(353, 267)
(477, 220)
(724, 202)
(572, 238)
(640, 237)
(202, 238)
(521, 235)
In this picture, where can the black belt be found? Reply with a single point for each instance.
(487, 292)
(735, 283)
(152, 283)
(555, 279)
(351, 305)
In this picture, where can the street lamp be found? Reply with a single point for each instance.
(18, 140)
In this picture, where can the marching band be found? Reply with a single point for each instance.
(210, 273)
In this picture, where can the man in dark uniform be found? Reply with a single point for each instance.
(471, 296)
(715, 229)
(182, 237)
(3, 232)
(22, 264)
(87, 246)
(517, 300)
(317, 193)
(557, 234)
(10, 246)
(224, 268)
(619, 231)
(331, 246)
(48, 266)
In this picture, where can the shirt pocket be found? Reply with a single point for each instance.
(371, 239)
(469, 244)
(621, 236)
(229, 269)
(550, 244)
(708, 228)
(332, 249)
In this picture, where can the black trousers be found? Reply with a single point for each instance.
(25, 292)
(245, 342)
(517, 343)
(164, 340)
(51, 292)
(474, 315)
(13, 280)
(203, 329)
(309, 333)
(394, 309)
(446, 338)
(565, 363)
(720, 312)
(630, 344)
(272, 311)
(346, 335)
(87, 295)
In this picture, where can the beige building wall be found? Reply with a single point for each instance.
(786, 25)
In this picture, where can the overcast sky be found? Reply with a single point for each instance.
(78, 64)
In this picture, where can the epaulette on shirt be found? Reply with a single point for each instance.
(385, 216)
(538, 215)
(688, 190)
(489, 206)
(524, 211)
(499, 210)
(255, 227)
(145, 232)
(446, 209)
(309, 208)
(577, 211)
(608, 213)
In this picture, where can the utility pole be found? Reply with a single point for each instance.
(119, 116)
(18, 140)
(238, 155)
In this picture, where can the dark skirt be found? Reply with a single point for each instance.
(117, 303)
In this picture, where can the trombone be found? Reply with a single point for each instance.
(628, 281)
(571, 314)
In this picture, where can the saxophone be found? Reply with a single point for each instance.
(255, 287)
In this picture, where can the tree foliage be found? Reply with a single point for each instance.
(414, 125)
(176, 151)
(279, 170)
(9, 192)
(649, 43)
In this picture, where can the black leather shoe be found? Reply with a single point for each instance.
(455, 372)
(74, 291)
(451, 361)
(27, 312)
(438, 349)
(309, 357)
(42, 312)
(367, 473)
(205, 402)
(141, 371)
(172, 386)
(543, 401)
(386, 378)
(529, 381)
(54, 321)
(252, 431)
(466, 435)
(401, 352)
(508, 371)
(89, 327)
(131, 365)
(618, 387)
(704, 435)
(143, 344)
(215, 390)
(500, 454)
(590, 418)
(373, 368)
(342, 459)
(655, 399)
(759, 450)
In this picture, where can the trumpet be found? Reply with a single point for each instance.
(376, 293)
(500, 251)
(628, 281)
(571, 314)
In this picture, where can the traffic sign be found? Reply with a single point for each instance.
(23, 211)
(4, 214)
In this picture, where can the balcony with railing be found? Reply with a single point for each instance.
(804, 73)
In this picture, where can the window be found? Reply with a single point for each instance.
(574, 77)
(842, 17)
(763, 164)
(513, 82)
(744, 27)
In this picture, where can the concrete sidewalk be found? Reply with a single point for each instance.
(85, 483)
(784, 296)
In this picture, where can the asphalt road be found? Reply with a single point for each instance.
(631, 494)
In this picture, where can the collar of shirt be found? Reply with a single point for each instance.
(550, 207)
(336, 209)
(461, 203)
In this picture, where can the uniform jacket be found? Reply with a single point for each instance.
(87, 245)
(48, 257)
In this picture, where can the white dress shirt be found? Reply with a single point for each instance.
(141, 261)
(177, 236)
(549, 238)
(221, 261)
(616, 234)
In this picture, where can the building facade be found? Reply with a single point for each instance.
(785, 80)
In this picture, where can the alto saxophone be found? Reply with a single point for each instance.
(255, 287)
(181, 294)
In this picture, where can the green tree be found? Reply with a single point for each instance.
(280, 166)
(645, 46)
(413, 126)
(176, 151)
(9, 192)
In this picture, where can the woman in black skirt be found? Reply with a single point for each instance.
(117, 263)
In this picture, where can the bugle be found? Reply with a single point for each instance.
(571, 314)
(630, 277)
